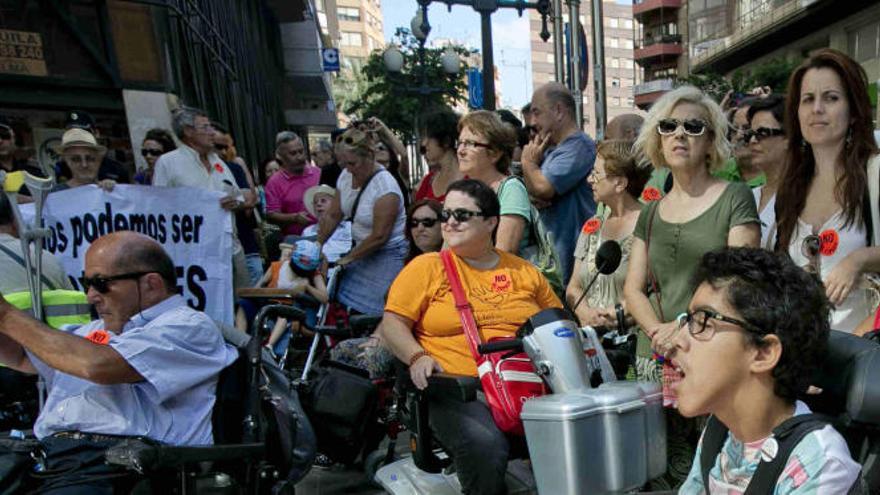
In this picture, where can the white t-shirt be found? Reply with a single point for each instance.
(857, 306)
(183, 168)
(819, 464)
(383, 183)
(767, 217)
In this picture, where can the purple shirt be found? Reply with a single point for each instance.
(285, 192)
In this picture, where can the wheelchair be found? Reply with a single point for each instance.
(849, 380)
(264, 442)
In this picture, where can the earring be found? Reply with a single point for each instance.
(849, 137)
(803, 144)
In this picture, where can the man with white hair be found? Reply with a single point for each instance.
(285, 191)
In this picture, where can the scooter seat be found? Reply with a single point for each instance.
(462, 388)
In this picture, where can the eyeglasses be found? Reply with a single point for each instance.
(426, 222)
(102, 284)
(595, 178)
(220, 147)
(460, 215)
(471, 145)
(80, 159)
(692, 127)
(145, 152)
(761, 133)
(697, 323)
(810, 248)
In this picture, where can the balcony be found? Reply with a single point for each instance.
(647, 93)
(641, 7)
(656, 49)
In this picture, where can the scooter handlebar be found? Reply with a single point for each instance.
(500, 345)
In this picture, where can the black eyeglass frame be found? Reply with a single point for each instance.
(689, 321)
(460, 215)
(102, 284)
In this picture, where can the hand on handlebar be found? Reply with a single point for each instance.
(423, 368)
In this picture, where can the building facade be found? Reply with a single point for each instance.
(620, 69)
(360, 31)
(253, 65)
(661, 28)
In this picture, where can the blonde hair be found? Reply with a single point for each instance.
(648, 141)
(500, 136)
(356, 141)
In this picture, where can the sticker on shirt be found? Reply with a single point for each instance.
(218, 168)
(99, 336)
(591, 226)
(501, 282)
(828, 242)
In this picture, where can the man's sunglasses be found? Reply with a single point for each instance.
(102, 284)
(148, 152)
(426, 222)
(460, 215)
(761, 133)
(692, 127)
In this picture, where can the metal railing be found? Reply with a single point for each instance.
(653, 40)
(653, 86)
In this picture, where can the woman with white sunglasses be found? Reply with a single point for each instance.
(685, 132)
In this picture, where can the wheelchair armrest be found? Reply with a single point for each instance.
(459, 387)
(146, 457)
(364, 324)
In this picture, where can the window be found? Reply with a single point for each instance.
(611, 22)
(863, 42)
(615, 63)
(626, 43)
(349, 14)
(347, 38)
(627, 63)
(612, 42)
(615, 101)
(630, 102)
(628, 23)
(550, 58)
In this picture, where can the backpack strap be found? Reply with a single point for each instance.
(787, 436)
(713, 440)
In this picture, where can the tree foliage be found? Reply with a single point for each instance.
(773, 73)
(395, 98)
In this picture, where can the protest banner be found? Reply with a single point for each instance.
(187, 222)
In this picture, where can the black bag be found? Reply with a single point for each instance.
(341, 402)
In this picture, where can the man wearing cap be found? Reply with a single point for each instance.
(109, 168)
(286, 188)
(7, 153)
(317, 200)
(82, 154)
(147, 367)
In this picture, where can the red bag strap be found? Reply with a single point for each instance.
(465, 312)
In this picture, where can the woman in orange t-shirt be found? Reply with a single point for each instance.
(422, 327)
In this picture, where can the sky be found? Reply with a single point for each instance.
(510, 39)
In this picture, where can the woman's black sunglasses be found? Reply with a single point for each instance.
(460, 215)
(102, 284)
(761, 133)
(692, 127)
(148, 152)
(426, 222)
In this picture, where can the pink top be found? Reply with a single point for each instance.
(285, 193)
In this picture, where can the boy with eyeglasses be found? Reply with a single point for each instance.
(756, 328)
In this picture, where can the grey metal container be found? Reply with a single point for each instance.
(655, 428)
(589, 441)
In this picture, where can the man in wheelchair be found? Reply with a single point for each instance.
(755, 335)
(148, 367)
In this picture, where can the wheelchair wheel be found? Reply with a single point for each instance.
(373, 462)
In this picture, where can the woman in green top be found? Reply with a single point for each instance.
(686, 132)
(485, 147)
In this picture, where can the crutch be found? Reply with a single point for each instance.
(39, 189)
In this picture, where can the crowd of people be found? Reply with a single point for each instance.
(717, 206)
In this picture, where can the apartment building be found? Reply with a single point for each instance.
(620, 69)
(660, 34)
(359, 24)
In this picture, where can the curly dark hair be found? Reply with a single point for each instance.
(441, 124)
(775, 295)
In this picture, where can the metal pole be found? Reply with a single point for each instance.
(558, 47)
(599, 68)
(575, 46)
(488, 62)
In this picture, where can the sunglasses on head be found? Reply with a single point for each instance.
(761, 133)
(460, 215)
(692, 127)
(102, 284)
(149, 152)
(426, 222)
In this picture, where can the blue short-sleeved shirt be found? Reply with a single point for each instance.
(179, 351)
(566, 168)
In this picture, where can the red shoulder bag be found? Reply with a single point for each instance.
(508, 378)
